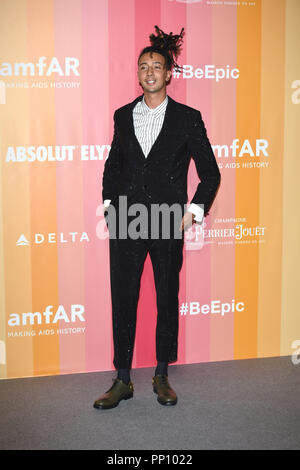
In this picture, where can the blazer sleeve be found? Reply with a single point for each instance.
(206, 165)
(112, 167)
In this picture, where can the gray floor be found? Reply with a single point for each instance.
(248, 404)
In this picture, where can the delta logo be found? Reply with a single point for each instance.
(53, 238)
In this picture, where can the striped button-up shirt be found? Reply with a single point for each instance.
(147, 126)
(148, 123)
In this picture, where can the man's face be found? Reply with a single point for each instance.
(152, 73)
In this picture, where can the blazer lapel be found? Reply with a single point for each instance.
(131, 133)
(164, 128)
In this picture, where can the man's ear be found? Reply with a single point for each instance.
(169, 75)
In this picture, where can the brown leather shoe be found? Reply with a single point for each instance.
(117, 392)
(165, 394)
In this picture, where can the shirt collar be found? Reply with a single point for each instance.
(156, 111)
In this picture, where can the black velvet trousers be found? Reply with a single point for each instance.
(127, 257)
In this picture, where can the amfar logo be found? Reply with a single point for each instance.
(242, 149)
(50, 315)
(53, 237)
(41, 68)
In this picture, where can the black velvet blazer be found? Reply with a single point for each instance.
(162, 176)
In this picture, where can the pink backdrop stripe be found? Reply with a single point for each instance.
(95, 130)
(223, 131)
(69, 210)
(199, 95)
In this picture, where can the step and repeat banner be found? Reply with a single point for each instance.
(65, 66)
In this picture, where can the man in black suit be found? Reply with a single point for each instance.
(154, 140)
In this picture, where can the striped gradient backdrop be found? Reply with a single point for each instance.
(261, 39)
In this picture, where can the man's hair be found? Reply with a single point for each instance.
(168, 45)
